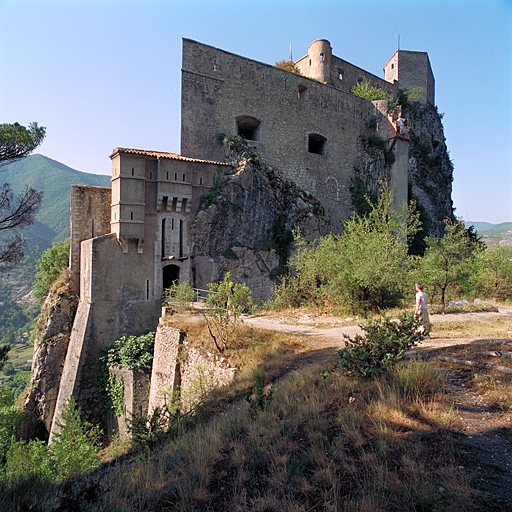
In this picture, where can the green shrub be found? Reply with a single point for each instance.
(75, 446)
(179, 296)
(211, 197)
(369, 92)
(383, 345)
(135, 352)
(226, 302)
(73, 452)
(10, 420)
(50, 266)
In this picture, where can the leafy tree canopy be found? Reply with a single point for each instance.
(369, 92)
(16, 141)
(288, 65)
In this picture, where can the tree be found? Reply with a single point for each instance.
(369, 92)
(4, 349)
(365, 267)
(288, 65)
(16, 142)
(226, 302)
(445, 263)
(490, 274)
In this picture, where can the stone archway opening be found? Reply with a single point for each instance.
(171, 275)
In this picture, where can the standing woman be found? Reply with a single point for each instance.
(421, 309)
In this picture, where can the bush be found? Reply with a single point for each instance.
(75, 446)
(179, 296)
(226, 302)
(288, 65)
(363, 269)
(382, 347)
(134, 352)
(73, 452)
(369, 92)
(50, 266)
(10, 420)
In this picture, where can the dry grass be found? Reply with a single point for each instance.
(494, 385)
(324, 443)
(492, 326)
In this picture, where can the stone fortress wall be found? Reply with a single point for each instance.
(130, 242)
(307, 127)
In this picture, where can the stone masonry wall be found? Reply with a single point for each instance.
(89, 217)
(113, 303)
(183, 372)
(136, 394)
(218, 87)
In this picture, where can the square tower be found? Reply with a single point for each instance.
(411, 69)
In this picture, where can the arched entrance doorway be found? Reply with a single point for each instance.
(171, 274)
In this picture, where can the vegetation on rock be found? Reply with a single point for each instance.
(369, 92)
(52, 263)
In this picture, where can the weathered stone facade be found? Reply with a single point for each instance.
(182, 374)
(155, 226)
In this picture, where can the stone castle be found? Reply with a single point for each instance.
(131, 241)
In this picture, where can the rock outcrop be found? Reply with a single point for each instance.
(430, 168)
(50, 347)
(248, 227)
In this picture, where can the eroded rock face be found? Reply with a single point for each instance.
(50, 347)
(248, 231)
(430, 168)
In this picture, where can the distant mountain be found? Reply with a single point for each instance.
(52, 221)
(493, 233)
(54, 180)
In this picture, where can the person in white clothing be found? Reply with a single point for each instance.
(421, 309)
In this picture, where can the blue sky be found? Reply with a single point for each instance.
(102, 74)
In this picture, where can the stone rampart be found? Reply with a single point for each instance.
(306, 129)
(183, 374)
(89, 217)
(135, 399)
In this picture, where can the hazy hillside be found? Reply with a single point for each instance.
(492, 233)
(52, 223)
(55, 180)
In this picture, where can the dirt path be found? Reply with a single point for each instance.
(485, 433)
(486, 442)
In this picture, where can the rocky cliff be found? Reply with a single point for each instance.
(50, 346)
(247, 225)
(430, 167)
(430, 170)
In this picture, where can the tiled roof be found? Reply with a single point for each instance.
(163, 154)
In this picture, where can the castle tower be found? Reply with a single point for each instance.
(411, 69)
(318, 64)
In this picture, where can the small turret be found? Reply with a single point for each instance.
(318, 66)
